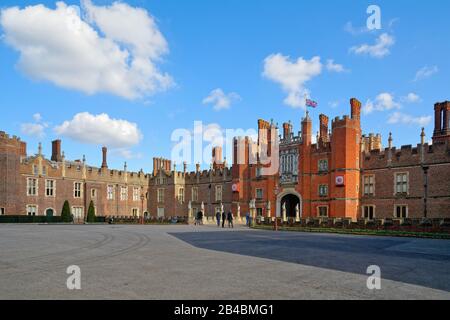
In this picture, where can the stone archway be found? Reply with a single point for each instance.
(290, 201)
(49, 212)
(291, 197)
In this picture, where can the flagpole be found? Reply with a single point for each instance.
(306, 107)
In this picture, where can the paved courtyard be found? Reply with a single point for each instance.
(188, 262)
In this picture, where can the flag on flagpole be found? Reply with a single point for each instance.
(311, 103)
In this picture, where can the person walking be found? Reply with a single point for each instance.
(197, 218)
(230, 219)
(200, 218)
(218, 218)
(247, 219)
(224, 217)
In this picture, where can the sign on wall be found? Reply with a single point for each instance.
(340, 181)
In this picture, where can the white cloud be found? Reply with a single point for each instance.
(379, 50)
(292, 76)
(220, 100)
(425, 72)
(36, 129)
(402, 118)
(335, 67)
(101, 130)
(127, 154)
(384, 101)
(356, 30)
(33, 129)
(412, 98)
(37, 117)
(62, 47)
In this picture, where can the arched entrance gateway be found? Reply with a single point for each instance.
(291, 199)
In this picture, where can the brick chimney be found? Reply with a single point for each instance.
(56, 151)
(287, 127)
(217, 158)
(104, 162)
(323, 128)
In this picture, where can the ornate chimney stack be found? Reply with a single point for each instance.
(323, 119)
(390, 140)
(104, 162)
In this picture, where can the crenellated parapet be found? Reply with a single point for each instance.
(406, 155)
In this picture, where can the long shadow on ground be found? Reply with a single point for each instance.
(424, 262)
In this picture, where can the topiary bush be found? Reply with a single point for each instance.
(66, 215)
(91, 213)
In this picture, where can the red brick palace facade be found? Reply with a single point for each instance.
(343, 174)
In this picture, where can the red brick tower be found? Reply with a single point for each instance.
(305, 165)
(345, 165)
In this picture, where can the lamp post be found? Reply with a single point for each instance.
(142, 208)
(275, 225)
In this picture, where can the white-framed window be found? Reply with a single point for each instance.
(135, 212)
(77, 189)
(160, 212)
(259, 193)
(32, 210)
(369, 185)
(32, 187)
(401, 211)
(93, 193)
(50, 188)
(136, 193)
(322, 211)
(323, 190)
(368, 212)
(194, 194)
(2, 211)
(160, 195)
(35, 170)
(181, 195)
(218, 193)
(123, 193)
(258, 172)
(110, 192)
(44, 170)
(401, 183)
(323, 165)
(78, 212)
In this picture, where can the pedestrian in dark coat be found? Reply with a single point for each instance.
(224, 217)
(218, 218)
(230, 219)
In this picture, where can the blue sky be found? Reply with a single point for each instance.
(210, 45)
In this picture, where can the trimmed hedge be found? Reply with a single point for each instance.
(30, 219)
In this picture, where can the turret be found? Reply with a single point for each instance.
(441, 122)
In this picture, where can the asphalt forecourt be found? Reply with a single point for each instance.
(206, 262)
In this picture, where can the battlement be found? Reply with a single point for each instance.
(345, 121)
(406, 155)
(12, 144)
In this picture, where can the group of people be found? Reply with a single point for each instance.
(228, 217)
(225, 216)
